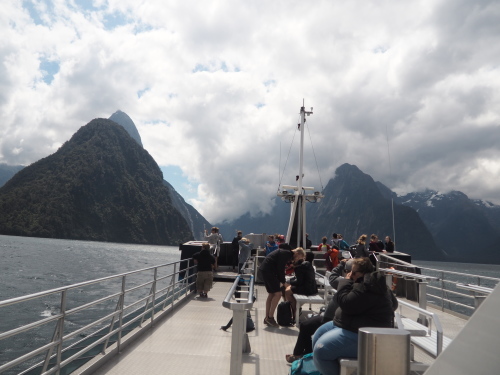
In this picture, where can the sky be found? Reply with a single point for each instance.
(408, 91)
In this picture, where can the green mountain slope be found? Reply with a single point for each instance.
(101, 185)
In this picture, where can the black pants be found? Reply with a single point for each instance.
(306, 330)
(235, 257)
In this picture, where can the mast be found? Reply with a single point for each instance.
(298, 195)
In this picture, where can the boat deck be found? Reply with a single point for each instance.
(191, 339)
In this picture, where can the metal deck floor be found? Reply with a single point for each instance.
(190, 341)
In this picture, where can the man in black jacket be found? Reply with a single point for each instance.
(205, 263)
(364, 301)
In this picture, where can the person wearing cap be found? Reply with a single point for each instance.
(307, 328)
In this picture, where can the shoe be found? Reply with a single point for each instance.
(290, 358)
(272, 322)
(265, 321)
(205, 295)
(224, 328)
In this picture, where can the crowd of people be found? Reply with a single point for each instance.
(362, 298)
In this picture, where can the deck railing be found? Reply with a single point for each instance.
(87, 318)
(444, 293)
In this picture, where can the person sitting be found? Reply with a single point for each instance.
(364, 300)
(307, 328)
(310, 258)
(305, 279)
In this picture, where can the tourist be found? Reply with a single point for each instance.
(375, 245)
(364, 300)
(342, 244)
(205, 263)
(389, 245)
(361, 251)
(214, 239)
(307, 328)
(335, 240)
(236, 248)
(304, 281)
(245, 250)
(271, 245)
(272, 271)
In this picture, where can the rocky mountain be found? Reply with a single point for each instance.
(121, 118)
(195, 220)
(353, 205)
(100, 185)
(468, 230)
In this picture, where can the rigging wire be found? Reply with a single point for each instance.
(390, 177)
(286, 161)
(315, 160)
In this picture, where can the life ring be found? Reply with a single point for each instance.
(394, 281)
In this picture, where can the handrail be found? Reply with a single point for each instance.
(442, 291)
(415, 276)
(66, 346)
(435, 319)
(239, 305)
(475, 288)
(240, 308)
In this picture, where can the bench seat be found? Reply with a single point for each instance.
(301, 300)
(422, 336)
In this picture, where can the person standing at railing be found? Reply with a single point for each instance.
(205, 263)
(271, 245)
(236, 248)
(272, 270)
(389, 245)
(214, 239)
(245, 250)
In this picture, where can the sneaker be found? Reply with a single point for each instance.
(272, 322)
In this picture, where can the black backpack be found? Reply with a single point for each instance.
(285, 314)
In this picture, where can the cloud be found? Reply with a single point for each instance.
(407, 92)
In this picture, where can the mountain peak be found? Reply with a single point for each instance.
(121, 118)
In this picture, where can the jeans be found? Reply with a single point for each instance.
(331, 343)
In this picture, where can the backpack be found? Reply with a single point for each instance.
(285, 314)
(304, 366)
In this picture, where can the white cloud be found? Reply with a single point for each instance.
(215, 89)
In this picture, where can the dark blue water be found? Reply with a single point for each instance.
(30, 265)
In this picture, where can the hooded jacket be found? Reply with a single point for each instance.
(367, 302)
(305, 279)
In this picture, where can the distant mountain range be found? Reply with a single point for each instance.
(102, 185)
(429, 225)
